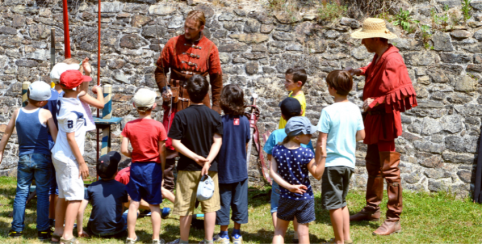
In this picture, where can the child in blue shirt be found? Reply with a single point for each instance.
(232, 168)
(340, 126)
(289, 168)
(290, 107)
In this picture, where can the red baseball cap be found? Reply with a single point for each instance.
(73, 78)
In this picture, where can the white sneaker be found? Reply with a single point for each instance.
(220, 240)
(131, 241)
(238, 240)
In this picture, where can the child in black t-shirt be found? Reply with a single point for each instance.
(196, 134)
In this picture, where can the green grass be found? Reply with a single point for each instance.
(426, 218)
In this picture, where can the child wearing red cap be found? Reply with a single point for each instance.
(67, 154)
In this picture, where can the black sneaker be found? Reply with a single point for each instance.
(15, 234)
(44, 235)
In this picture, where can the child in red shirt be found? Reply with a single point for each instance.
(147, 137)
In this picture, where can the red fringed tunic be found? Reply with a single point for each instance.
(388, 82)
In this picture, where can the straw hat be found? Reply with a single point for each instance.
(372, 28)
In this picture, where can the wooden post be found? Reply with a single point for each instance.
(25, 86)
(106, 114)
(52, 52)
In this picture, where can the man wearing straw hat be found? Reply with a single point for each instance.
(388, 91)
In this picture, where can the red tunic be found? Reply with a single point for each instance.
(181, 57)
(388, 82)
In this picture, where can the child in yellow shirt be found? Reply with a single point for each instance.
(295, 79)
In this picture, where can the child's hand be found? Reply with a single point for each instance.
(97, 89)
(82, 233)
(300, 189)
(83, 170)
(200, 160)
(205, 169)
(86, 66)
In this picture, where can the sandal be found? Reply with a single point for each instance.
(72, 240)
(55, 236)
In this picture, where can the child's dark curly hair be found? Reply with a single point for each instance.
(232, 100)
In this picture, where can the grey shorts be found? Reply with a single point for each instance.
(334, 186)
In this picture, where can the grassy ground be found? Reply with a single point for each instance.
(436, 218)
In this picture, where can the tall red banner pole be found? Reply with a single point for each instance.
(66, 29)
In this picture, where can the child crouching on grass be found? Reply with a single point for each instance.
(289, 168)
(340, 127)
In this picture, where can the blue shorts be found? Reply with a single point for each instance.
(145, 182)
(275, 195)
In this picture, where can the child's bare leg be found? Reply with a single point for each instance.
(236, 226)
(295, 227)
(275, 219)
(209, 223)
(156, 221)
(336, 216)
(167, 195)
(225, 227)
(280, 231)
(346, 224)
(60, 216)
(70, 215)
(53, 202)
(131, 219)
(185, 224)
(303, 233)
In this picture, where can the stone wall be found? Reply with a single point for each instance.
(439, 143)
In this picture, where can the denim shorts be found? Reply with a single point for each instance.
(303, 210)
(275, 195)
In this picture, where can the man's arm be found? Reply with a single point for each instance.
(8, 132)
(218, 141)
(216, 88)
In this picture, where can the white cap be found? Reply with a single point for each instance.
(60, 68)
(39, 91)
(144, 98)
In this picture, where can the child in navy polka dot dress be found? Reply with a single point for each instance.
(290, 168)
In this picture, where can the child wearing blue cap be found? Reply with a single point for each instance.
(289, 168)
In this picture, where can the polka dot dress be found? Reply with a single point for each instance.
(292, 167)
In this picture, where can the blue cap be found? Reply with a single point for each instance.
(299, 125)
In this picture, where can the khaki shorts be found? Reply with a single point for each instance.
(186, 189)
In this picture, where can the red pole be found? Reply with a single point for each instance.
(66, 29)
(98, 77)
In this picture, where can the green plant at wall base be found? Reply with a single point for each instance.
(331, 11)
(426, 36)
(466, 8)
(404, 20)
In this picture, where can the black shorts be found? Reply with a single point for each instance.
(334, 186)
(303, 210)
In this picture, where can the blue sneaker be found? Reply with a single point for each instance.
(165, 213)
